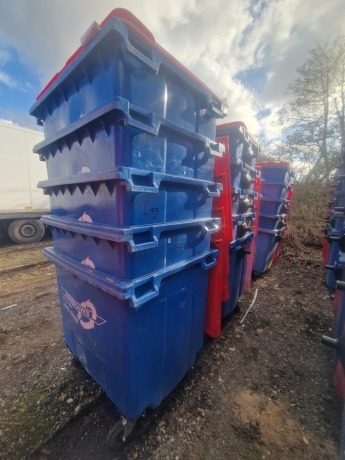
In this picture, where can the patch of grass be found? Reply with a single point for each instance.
(305, 219)
(39, 414)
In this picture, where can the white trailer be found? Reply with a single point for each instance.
(21, 202)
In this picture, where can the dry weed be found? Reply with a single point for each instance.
(305, 219)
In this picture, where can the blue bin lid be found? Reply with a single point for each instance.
(125, 23)
(238, 129)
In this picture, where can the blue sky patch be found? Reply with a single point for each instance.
(19, 84)
(263, 113)
(253, 79)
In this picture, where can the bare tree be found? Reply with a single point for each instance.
(313, 120)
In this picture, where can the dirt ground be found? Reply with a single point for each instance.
(262, 390)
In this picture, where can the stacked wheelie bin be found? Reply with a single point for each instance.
(250, 257)
(276, 195)
(235, 206)
(334, 260)
(130, 150)
(334, 228)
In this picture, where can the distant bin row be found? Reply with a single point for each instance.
(333, 253)
(146, 195)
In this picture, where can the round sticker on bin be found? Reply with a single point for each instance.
(83, 313)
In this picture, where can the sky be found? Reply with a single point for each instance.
(244, 50)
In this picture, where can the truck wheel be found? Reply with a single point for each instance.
(26, 231)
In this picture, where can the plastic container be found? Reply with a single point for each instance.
(326, 248)
(242, 224)
(266, 245)
(136, 339)
(120, 134)
(274, 207)
(272, 222)
(279, 246)
(242, 175)
(336, 220)
(275, 172)
(340, 308)
(123, 59)
(333, 272)
(130, 197)
(237, 256)
(274, 191)
(222, 205)
(251, 248)
(218, 286)
(128, 253)
(242, 145)
(242, 200)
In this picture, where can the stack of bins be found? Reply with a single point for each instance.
(334, 260)
(276, 194)
(130, 154)
(289, 197)
(338, 343)
(334, 229)
(249, 261)
(326, 245)
(236, 172)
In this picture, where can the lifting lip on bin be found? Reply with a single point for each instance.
(127, 234)
(276, 172)
(238, 128)
(245, 167)
(133, 178)
(238, 242)
(127, 290)
(275, 232)
(131, 115)
(128, 27)
(238, 218)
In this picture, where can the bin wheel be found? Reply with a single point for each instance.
(76, 363)
(119, 435)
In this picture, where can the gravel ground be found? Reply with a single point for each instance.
(262, 390)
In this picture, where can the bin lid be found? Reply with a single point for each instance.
(133, 23)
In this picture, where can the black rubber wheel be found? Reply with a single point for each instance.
(76, 363)
(26, 231)
(114, 438)
(237, 309)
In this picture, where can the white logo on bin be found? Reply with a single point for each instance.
(83, 313)
(88, 262)
(85, 218)
(84, 169)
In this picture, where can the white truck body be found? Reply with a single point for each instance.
(20, 171)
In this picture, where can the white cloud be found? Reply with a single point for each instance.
(7, 80)
(4, 56)
(216, 39)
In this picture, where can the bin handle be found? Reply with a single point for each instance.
(206, 265)
(340, 285)
(331, 267)
(216, 149)
(134, 185)
(135, 247)
(150, 63)
(334, 238)
(330, 342)
(211, 227)
(215, 193)
(151, 293)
